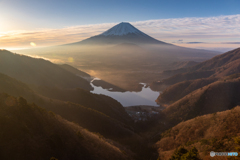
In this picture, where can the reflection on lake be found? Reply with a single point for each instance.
(144, 97)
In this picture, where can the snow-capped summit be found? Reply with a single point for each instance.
(121, 33)
(121, 29)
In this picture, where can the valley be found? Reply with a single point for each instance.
(121, 94)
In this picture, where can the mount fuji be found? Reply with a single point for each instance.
(121, 29)
(126, 36)
(121, 33)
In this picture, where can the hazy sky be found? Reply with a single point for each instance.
(205, 23)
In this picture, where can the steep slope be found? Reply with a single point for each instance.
(222, 65)
(217, 132)
(39, 72)
(181, 89)
(218, 96)
(30, 132)
(218, 61)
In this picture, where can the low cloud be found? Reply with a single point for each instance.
(194, 42)
(209, 27)
(230, 43)
(170, 30)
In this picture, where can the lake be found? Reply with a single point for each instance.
(144, 97)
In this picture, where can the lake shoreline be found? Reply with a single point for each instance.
(145, 97)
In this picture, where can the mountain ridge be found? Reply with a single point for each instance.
(219, 66)
(39, 72)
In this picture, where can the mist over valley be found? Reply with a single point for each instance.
(164, 85)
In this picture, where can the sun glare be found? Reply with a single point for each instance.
(70, 59)
(33, 44)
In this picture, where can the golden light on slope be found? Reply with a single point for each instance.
(33, 44)
(70, 59)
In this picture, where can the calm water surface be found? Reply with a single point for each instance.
(144, 97)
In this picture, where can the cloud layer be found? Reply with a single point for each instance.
(215, 30)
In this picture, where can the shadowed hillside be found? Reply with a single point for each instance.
(102, 103)
(181, 89)
(39, 72)
(217, 132)
(30, 132)
(218, 96)
(83, 114)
